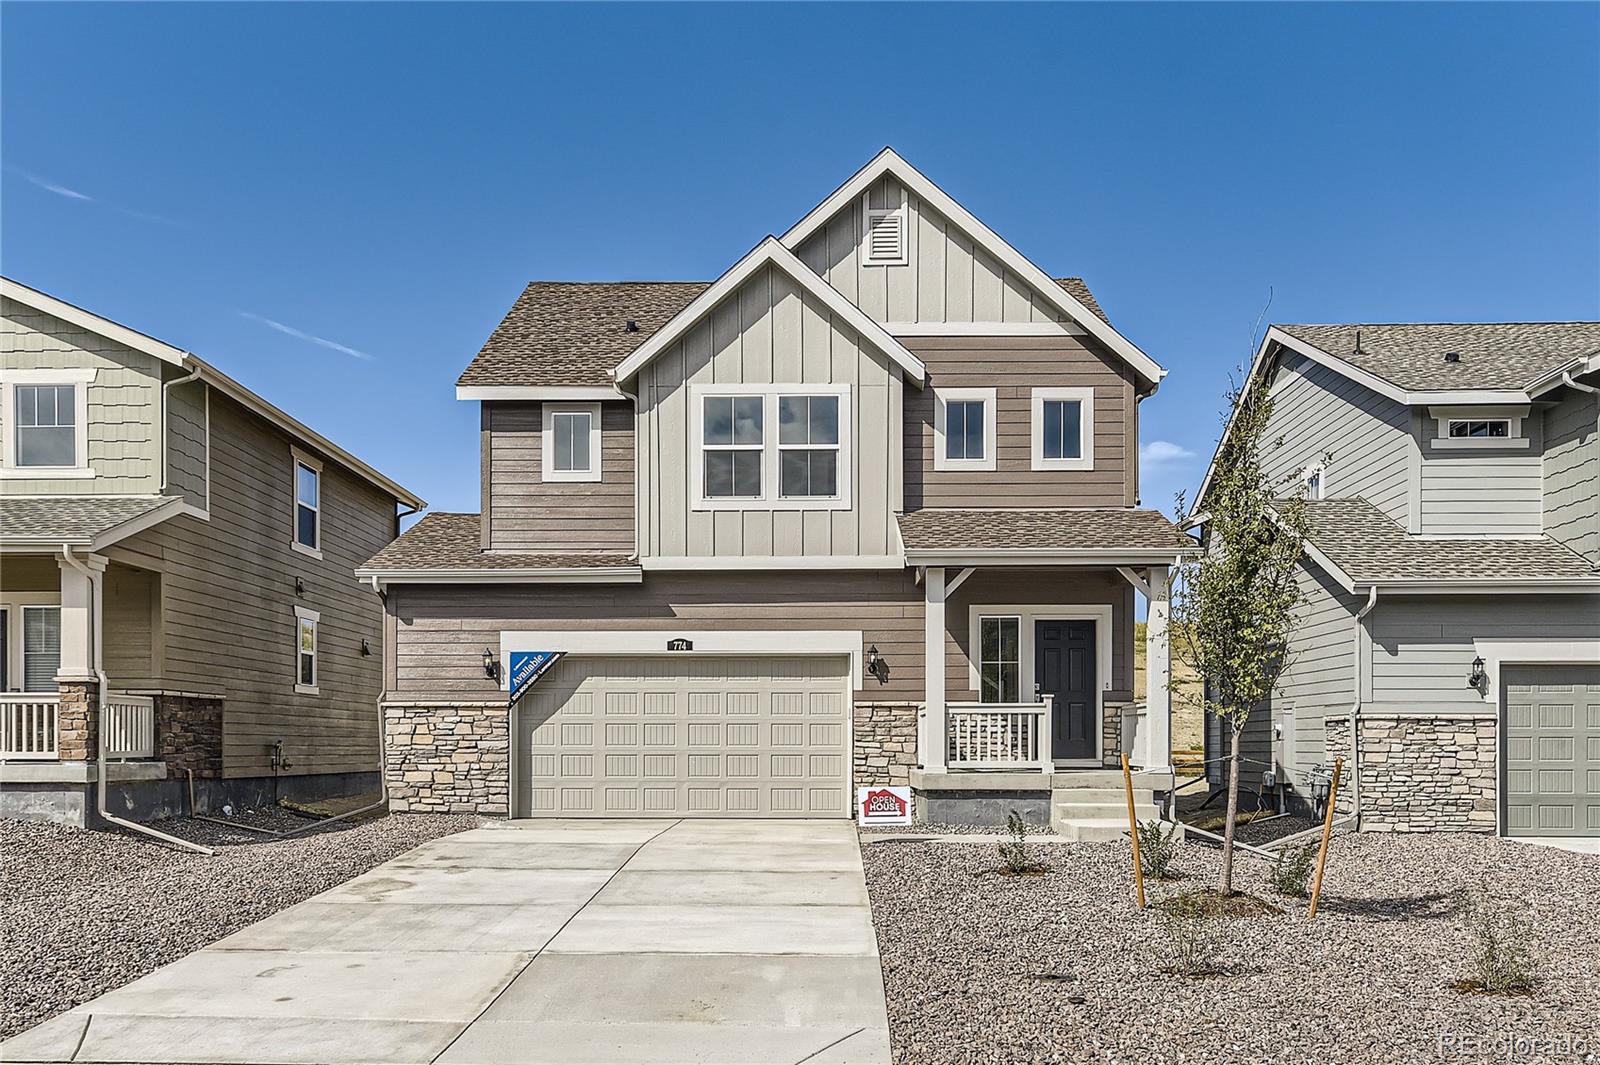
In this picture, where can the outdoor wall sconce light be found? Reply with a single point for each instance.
(877, 666)
(1478, 680)
(491, 668)
(299, 586)
(366, 648)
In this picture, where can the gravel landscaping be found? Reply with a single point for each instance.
(85, 912)
(980, 967)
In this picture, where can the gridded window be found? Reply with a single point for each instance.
(808, 446)
(46, 433)
(963, 429)
(41, 647)
(734, 441)
(1000, 659)
(571, 430)
(307, 506)
(306, 622)
(1480, 429)
(1062, 428)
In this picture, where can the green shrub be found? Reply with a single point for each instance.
(1158, 847)
(1192, 937)
(1291, 871)
(1017, 858)
(1501, 956)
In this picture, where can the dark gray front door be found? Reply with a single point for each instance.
(1063, 666)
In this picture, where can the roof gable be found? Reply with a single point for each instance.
(1062, 298)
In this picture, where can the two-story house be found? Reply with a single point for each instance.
(1448, 645)
(863, 511)
(178, 602)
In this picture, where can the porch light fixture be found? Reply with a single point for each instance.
(877, 666)
(491, 668)
(299, 586)
(1478, 680)
(366, 648)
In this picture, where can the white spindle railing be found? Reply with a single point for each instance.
(29, 726)
(999, 736)
(130, 725)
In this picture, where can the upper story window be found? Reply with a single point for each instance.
(45, 414)
(1063, 428)
(1470, 428)
(744, 464)
(570, 442)
(963, 429)
(307, 504)
(1312, 478)
(306, 623)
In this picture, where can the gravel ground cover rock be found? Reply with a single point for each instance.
(1063, 968)
(85, 912)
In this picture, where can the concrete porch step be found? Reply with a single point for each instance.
(1143, 809)
(1091, 829)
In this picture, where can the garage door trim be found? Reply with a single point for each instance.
(792, 643)
(1506, 673)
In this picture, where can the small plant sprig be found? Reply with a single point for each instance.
(1501, 957)
(1158, 848)
(1192, 937)
(1291, 871)
(1017, 858)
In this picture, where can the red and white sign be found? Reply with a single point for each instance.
(883, 806)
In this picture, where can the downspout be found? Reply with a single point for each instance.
(1356, 705)
(194, 375)
(102, 767)
(1566, 379)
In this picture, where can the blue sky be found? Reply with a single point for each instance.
(336, 204)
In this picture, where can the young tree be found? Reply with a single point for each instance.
(1234, 604)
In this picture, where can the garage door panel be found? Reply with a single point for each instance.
(683, 737)
(1551, 742)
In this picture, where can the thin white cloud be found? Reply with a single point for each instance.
(289, 330)
(1159, 452)
(65, 192)
(50, 186)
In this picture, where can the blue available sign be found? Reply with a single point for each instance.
(527, 667)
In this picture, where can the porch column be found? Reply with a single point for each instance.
(932, 741)
(78, 711)
(1158, 671)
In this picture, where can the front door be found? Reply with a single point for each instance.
(1064, 666)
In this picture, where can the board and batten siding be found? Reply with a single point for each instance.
(226, 591)
(1014, 367)
(525, 513)
(1423, 645)
(1363, 439)
(122, 446)
(1572, 472)
(1489, 491)
(768, 331)
(947, 276)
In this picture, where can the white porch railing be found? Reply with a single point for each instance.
(999, 736)
(29, 726)
(1136, 735)
(130, 725)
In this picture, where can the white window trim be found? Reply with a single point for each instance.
(941, 396)
(301, 458)
(80, 380)
(1100, 615)
(1319, 471)
(301, 614)
(870, 214)
(1515, 438)
(14, 604)
(770, 499)
(1085, 400)
(547, 441)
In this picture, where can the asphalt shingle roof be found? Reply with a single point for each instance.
(75, 519)
(1371, 548)
(1066, 530)
(1493, 355)
(574, 332)
(448, 541)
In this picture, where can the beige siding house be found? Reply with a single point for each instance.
(177, 585)
(861, 513)
(1448, 642)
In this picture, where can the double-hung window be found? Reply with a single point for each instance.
(570, 442)
(306, 623)
(964, 429)
(733, 435)
(307, 505)
(45, 435)
(41, 647)
(808, 447)
(1000, 659)
(1063, 428)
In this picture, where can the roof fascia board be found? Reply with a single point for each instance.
(889, 162)
(137, 524)
(569, 575)
(92, 322)
(770, 252)
(1037, 556)
(1555, 379)
(1554, 586)
(539, 393)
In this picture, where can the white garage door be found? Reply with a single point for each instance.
(1551, 765)
(676, 736)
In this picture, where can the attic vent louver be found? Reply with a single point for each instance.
(884, 243)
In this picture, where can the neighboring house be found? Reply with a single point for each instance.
(176, 578)
(863, 511)
(1452, 577)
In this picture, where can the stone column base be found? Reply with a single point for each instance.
(78, 721)
(448, 759)
(885, 743)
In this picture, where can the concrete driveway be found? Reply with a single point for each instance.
(532, 941)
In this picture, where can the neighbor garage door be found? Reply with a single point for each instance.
(1551, 765)
(677, 736)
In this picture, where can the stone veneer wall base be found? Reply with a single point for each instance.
(1423, 772)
